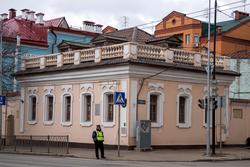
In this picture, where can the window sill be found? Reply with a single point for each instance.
(86, 124)
(66, 124)
(108, 124)
(183, 126)
(32, 122)
(48, 123)
(156, 125)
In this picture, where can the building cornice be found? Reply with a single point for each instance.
(120, 72)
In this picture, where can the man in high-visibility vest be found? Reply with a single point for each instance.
(98, 138)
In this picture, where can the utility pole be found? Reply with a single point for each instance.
(214, 78)
(125, 23)
(208, 82)
(244, 1)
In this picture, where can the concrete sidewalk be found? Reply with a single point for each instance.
(158, 155)
(170, 155)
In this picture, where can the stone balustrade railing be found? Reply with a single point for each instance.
(126, 51)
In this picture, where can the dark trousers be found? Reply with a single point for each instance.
(99, 145)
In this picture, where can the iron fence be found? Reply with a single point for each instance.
(35, 143)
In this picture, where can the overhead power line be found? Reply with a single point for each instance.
(197, 16)
(196, 12)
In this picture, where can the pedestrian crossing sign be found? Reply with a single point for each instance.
(119, 98)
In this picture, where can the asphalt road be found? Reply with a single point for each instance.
(16, 160)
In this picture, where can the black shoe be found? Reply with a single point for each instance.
(97, 158)
(103, 157)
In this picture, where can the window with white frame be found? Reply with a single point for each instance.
(66, 109)
(184, 106)
(155, 108)
(49, 108)
(196, 38)
(184, 111)
(187, 39)
(32, 108)
(86, 109)
(108, 112)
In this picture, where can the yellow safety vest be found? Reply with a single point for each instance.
(99, 136)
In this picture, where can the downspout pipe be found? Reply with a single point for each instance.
(55, 41)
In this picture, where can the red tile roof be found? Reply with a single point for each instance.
(28, 30)
(37, 34)
(54, 22)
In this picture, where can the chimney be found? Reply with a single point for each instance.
(12, 13)
(239, 15)
(24, 13)
(4, 16)
(39, 18)
(98, 28)
(218, 29)
(88, 26)
(31, 15)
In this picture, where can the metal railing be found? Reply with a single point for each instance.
(35, 143)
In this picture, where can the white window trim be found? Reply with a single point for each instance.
(160, 109)
(188, 111)
(187, 42)
(197, 35)
(62, 109)
(32, 122)
(82, 106)
(104, 123)
(45, 122)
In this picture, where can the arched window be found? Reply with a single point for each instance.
(66, 109)
(184, 106)
(108, 107)
(32, 116)
(155, 108)
(86, 107)
(48, 109)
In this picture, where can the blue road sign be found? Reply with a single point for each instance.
(119, 98)
(2, 100)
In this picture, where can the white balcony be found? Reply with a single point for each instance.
(128, 50)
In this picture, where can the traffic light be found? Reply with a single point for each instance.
(215, 103)
(201, 103)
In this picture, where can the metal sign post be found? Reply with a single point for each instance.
(119, 99)
(221, 101)
(119, 122)
(2, 102)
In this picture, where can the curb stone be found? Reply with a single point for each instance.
(117, 159)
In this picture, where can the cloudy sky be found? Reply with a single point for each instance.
(114, 12)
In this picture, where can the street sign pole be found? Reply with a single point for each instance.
(119, 99)
(119, 122)
(220, 130)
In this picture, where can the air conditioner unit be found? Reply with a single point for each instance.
(196, 45)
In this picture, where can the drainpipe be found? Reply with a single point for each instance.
(141, 85)
(55, 41)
